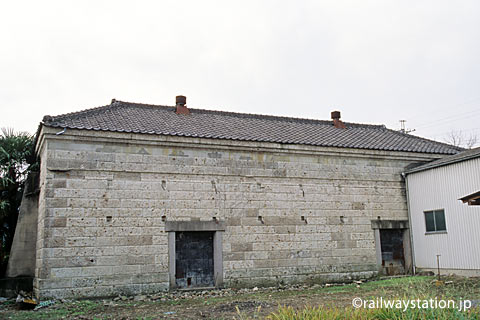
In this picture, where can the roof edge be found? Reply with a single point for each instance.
(264, 146)
(443, 162)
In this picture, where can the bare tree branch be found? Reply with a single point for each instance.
(459, 139)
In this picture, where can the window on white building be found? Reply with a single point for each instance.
(435, 220)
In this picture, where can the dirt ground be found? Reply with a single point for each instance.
(245, 303)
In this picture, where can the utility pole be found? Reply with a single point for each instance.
(403, 129)
(438, 266)
(439, 282)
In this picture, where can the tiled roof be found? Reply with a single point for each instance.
(153, 119)
(459, 157)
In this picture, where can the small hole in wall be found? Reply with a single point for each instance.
(260, 218)
(214, 218)
(342, 219)
(303, 219)
(164, 218)
(378, 218)
(109, 218)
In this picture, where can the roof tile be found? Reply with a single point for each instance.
(154, 119)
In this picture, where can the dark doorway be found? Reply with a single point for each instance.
(393, 259)
(194, 259)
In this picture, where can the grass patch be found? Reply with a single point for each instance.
(70, 310)
(332, 302)
(318, 313)
(408, 288)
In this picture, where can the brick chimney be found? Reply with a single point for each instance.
(337, 123)
(181, 104)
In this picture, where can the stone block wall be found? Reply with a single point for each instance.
(292, 213)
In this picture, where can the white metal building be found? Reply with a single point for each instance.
(444, 219)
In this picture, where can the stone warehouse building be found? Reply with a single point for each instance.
(138, 198)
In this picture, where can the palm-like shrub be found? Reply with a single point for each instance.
(16, 154)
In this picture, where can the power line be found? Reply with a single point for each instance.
(459, 131)
(453, 106)
(448, 119)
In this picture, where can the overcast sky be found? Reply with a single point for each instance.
(375, 61)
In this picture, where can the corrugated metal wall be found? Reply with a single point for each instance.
(440, 188)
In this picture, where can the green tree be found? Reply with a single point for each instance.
(16, 153)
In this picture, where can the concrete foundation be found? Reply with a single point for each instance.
(22, 254)
(458, 272)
